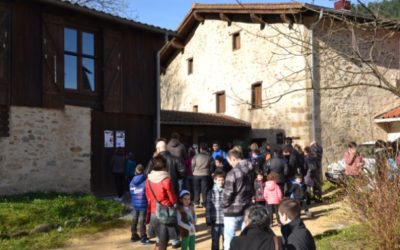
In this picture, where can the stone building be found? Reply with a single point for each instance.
(282, 67)
(75, 84)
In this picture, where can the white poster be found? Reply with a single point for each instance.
(120, 138)
(108, 139)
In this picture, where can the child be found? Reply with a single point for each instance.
(139, 204)
(214, 211)
(272, 195)
(295, 235)
(259, 185)
(298, 192)
(219, 164)
(186, 220)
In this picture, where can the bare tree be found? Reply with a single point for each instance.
(115, 7)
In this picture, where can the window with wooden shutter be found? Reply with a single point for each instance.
(256, 95)
(5, 48)
(236, 41)
(52, 69)
(112, 99)
(190, 66)
(220, 96)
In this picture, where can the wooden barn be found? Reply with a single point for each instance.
(75, 83)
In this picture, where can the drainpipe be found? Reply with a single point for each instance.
(158, 112)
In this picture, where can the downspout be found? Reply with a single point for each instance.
(314, 79)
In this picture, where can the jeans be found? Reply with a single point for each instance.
(273, 208)
(231, 224)
(217, 230)
(138, 216)
(162, 232)
(200, 185)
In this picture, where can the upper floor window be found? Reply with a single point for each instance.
(195, 108)
(236, 41)
(190, 65)
(220, 96)
(256, 95)
(79, 60)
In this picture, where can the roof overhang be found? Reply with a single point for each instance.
(386, 120)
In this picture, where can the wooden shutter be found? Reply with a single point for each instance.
(221, 102)
(256, 98)
(5, 48)
(53, 62)
(112, 98)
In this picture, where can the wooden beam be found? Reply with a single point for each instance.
(256, 19)
(177, 45)
(224, 17)
(198, 17)
(287, 19)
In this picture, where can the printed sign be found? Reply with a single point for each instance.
(108, 139)
(120, 138)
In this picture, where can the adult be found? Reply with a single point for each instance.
(353, 160)
(159, 188)
(295, 235)
(217, 151)
(238, 193)
(201, 175)
(318, 152)
(300, 159)
(257, 235)
(278, 166)
(255, 157)
(130, 165)
(175, 167)
(175, 147)
(118, 170)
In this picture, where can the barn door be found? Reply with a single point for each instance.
(5, 47)
(53, 62)
(112, 98)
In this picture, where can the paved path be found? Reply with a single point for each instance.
(327, 217)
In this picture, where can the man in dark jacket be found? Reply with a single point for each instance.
(201, 175)
(295, 235)
(175, 166)
(256, 235)
(238, 194)
(175, 147)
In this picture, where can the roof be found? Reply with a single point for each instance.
(248, 12)
(107, 16)
(170, 117)
(393, 113)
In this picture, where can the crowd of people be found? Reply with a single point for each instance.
(240, 189)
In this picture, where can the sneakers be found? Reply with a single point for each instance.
(135, 237)
(176, 246)
(145, 241)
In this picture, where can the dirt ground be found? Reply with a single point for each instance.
(327, 217)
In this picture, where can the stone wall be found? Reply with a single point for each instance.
(48, 150)
(262, 57)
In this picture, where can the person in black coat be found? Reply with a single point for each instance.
(257, 235)
(295, 235)
(278, 165)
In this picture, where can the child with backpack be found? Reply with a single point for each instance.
(272, 195)
(186, 218)
(259, 185)
(298, 192)
(139, 205)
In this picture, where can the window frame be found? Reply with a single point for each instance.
(236, 41)
(254, 103)
(217, 96)
(80, 56)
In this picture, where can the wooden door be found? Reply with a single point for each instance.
(139, 139)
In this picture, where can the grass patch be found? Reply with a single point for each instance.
(350, 238)
(75, 214)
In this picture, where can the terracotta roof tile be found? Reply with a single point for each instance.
(200, 119)
(394, 113)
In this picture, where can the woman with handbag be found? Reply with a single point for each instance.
(161, 201)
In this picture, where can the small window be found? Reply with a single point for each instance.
(196, 108)
(190, 65)
(236, 41)
(220, 96)
(79, 60)
(256, 95)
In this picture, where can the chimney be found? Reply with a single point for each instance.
(342, 5)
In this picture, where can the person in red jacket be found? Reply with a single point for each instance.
(159, 187)
(353, 161)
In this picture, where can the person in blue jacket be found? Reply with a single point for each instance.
(139, 204)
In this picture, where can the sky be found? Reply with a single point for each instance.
(169, 13)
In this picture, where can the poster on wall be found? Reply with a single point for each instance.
(108, 139)
(120, 138)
